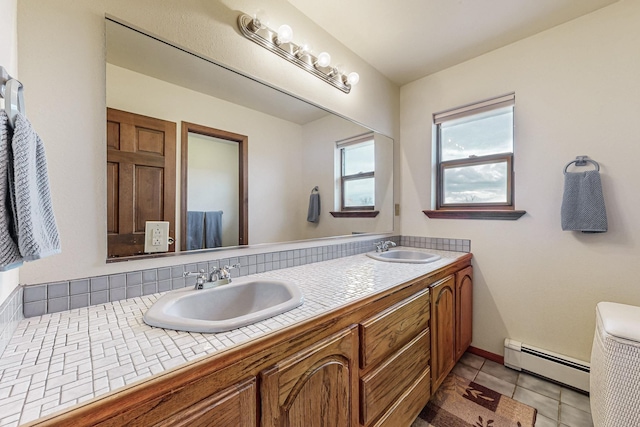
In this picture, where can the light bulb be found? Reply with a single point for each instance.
(285, 34)
(324, 59)
(260, 19)
(353, 78)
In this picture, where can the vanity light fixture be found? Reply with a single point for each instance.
(281, 44)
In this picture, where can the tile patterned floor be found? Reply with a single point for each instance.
(557, 406)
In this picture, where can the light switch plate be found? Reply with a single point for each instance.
(156, 236)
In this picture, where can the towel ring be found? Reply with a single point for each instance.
(582, 161)
(11, 90)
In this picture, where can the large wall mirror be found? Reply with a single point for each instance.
(291, 146)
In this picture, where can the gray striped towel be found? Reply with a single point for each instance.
(583, 203)
(9, 252)
(313, 213)
(212, 229)
(36, 225)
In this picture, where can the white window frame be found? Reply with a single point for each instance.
(342, 178)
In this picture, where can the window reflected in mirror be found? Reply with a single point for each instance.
(358, 174)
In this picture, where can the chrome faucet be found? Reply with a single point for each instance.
(206, 280)
(222, 274)
(384, 246)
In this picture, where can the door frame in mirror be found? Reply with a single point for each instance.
(243, 187)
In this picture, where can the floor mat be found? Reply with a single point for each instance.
(460, 402)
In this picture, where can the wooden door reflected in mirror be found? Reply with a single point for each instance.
(214, 202)
(140, 179)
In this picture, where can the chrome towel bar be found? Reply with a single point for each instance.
(582, 161)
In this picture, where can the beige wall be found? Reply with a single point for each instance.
(8, 59)
(577, 93)
(9, 36)
(62, 50)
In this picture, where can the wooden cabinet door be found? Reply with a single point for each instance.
(141, 179)
(232, 407)
(443, 349)
(464, 310)
(316, 387)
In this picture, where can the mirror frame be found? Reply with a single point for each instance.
(243, 183)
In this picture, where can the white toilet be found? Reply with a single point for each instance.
(615, 366)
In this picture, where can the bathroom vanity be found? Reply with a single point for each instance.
(373, 361)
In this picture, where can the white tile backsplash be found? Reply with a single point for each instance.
(11, 313)
(60, 296)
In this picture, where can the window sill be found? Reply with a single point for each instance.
(355, 214)
(475, 214)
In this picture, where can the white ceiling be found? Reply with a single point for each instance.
(409, 39)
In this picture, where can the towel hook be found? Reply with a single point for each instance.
(315, 189)
(11, 91)
(582, 161)
(4, 76)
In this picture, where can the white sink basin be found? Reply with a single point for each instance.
(404, 255)
(225, 307)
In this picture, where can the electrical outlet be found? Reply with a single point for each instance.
(156, 236)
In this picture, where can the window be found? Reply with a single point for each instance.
(474, 146)
(357, 174)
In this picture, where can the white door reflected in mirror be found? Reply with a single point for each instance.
(213, 191)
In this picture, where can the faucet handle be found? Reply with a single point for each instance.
(200, 279)
(193, 273)
(383, 246)
(224, 271)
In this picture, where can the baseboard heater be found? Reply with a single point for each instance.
(544, 363)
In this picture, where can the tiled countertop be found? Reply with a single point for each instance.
(56, 361)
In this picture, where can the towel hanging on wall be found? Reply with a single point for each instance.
(583, 206)
(26, 216)
(195, 230)
(212, 229)
(37, 231)
(9, 253)
(313, 214)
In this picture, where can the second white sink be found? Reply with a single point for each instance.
(404, 255)
(225, 307)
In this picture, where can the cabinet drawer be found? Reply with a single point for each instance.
(409, 405)
(380, 387)
(386, 332)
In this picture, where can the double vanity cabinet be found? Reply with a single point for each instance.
(373, 362)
